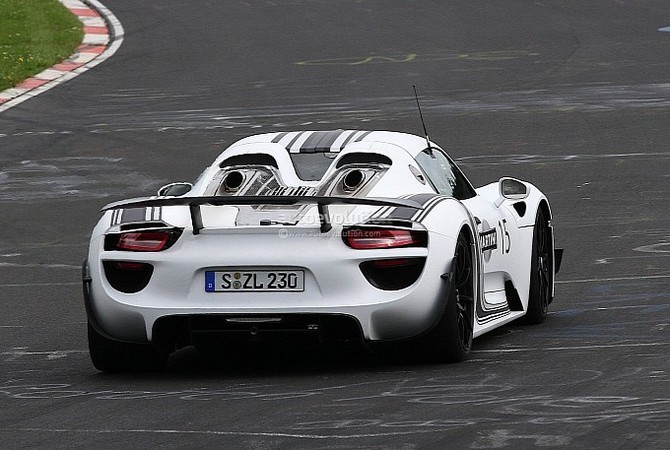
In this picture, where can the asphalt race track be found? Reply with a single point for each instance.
(573, 96)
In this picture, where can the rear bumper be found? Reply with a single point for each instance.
(336, 295)
(322, 329)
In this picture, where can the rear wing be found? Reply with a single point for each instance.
(322, 203)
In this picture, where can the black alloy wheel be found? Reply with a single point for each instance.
(464, 295)
(451, 339)
(541, 273)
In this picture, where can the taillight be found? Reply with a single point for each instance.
(386, 263)
(130, 265)
(153, 241)
(379, 238)
(142, 241)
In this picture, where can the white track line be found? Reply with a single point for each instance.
(600, 280)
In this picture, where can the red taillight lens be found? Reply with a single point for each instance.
(387, 263)
(144, 241)
(129, 265)
(378, 238)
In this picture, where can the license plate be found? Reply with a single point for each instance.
(255, 281)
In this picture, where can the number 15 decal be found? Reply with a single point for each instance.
(506, 239)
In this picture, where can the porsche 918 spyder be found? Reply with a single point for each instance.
(333, 236)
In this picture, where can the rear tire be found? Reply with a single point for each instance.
(451, 340)
(541, 273)
(112, 356)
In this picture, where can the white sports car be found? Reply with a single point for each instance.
(336, 236)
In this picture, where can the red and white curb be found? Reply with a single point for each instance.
(103, 35)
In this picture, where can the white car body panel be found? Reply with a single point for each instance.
(232, 238)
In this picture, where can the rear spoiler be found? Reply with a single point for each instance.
(322, 203)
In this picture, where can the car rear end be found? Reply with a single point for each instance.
(365, 282)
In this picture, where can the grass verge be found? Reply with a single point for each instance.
(34, 35)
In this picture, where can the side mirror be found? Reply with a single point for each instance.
(175, 189)
(511, 189)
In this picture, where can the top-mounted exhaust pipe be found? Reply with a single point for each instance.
(233, 181)
(353, 180)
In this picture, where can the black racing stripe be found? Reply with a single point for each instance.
(346, 141)
(401, 213)
(133, 215)
(310, 143)
(381, 212)
(378, 213)
(327, 141)
(426, 201)
(297, 136)
(423, 198)
(491, 315)
(279, 137)
(409, 213)
(486, 315)
(428, 206)
(362, 136)
(385, 211)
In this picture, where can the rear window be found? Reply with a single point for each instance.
(312, 166)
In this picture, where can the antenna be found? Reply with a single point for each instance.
(423, 123)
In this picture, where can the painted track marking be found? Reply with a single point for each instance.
(103, 37)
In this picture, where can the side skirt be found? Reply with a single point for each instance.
(513, 315)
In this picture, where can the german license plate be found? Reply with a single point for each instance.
(255, 281)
